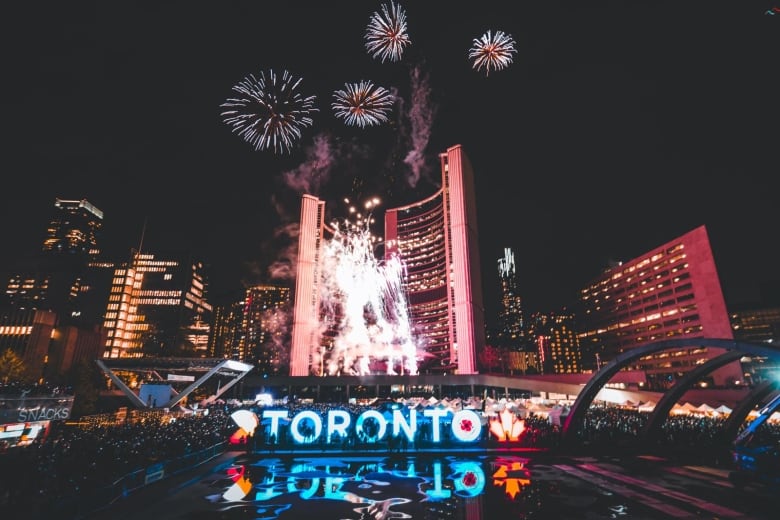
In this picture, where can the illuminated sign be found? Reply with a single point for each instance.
(178, 377)
(512, 476)
(27, 409)
(247, 423)
(43, 414)
(507, 427)
(308, 426)
(308, 481)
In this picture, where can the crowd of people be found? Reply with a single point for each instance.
(22, 389)
(70, 458)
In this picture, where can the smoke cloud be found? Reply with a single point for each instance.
(283, 268)
(419, 122)
(314, 172)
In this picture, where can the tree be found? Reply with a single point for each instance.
(12, 367)
(87, 379)
(490, 357)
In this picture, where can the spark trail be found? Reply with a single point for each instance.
(363, 306)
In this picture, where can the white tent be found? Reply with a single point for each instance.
(704, 407)
(723, 409)
(649, 406)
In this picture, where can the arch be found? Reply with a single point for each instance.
(740, 413)
(660, 413)
(602, 377)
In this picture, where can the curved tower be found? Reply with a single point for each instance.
(436, 242)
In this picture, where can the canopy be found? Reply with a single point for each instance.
(649, 406)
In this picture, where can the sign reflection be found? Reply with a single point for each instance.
(373, 487)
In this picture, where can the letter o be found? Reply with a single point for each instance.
(307, 414)
(379, 418)
(466, 425)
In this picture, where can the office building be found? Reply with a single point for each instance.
(670, 292)
(28, 333)
(511, 330)
(265, 333)
(67, 275)
(157, 307)
(554, 335)
(436, 240)
(757, 324)
(227, 331)
(74, 229)
(72, 346)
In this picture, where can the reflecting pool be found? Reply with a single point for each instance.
(375, 487)
(445, 485)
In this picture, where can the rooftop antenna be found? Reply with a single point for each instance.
(141, 242)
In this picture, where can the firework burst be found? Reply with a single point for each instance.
(364, 307)
(362, 104)
(492, 51)
(270, 112)
(386, 35)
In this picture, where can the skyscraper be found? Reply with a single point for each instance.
(436, 240)
(66, 275)
(672, 291)
(557, 344)
(74, 228)
(263, 331)
(511, 331)
(227, 331)
(155, 306)
(305, 338)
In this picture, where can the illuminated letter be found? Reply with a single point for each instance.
(399, 423)
(437, 491)
(275, 415)
(340, 427)
(435, 415)
(469, 479)
(333, 488)
(306, 493)
(379, 418)
(306, 414)
(466, 425)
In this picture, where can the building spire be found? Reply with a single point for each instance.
(140, 242)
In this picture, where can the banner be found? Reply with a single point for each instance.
(29, 409)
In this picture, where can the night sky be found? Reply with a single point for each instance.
(619, 126)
